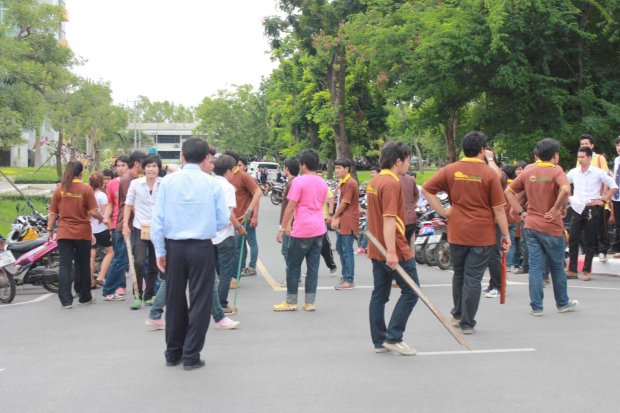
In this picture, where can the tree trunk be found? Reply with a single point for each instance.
(337, 72)
(450, 131)
(72, 148)
(37, 148)
(418, 153)
(61, 137)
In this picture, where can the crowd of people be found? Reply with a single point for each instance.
(189, 230)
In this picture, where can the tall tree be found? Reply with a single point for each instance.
(163, 112)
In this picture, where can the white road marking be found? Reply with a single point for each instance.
(36, 300)
(489, 351)
(1, 370)
(267, 276)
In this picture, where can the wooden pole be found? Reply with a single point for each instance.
(502, 288)
(403, 274)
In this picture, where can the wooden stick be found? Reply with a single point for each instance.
(403, 274)
(502, 288)
(132, 268)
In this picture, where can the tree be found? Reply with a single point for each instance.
(163, 112)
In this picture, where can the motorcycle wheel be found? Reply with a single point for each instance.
(429, 254)
(419, 254)
(51, 287)
(7, 287)
(276, 198)
(442, 255)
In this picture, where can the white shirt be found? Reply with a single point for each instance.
(143, 200)
(102, 200)
(422, 202)
(616, 196)
(231, 202)
(588, 184)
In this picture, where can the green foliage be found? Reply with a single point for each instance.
(161, 112)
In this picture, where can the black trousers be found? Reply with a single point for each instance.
(591, 222)
(409, 231)
(68, 251)
(615, 246)
(141, 250)
(188, 262)
(326, 252)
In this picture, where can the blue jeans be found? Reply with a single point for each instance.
(512, 230)
(469, 264)
(120, 262)
(159, 303)
(344, 246)
(243, 249)
(543, 248)
(227, 267)
(300, 248)
(383, 277)
(216, 309)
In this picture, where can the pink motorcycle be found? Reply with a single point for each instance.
(33, 262)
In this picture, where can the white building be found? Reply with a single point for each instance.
(167, 138)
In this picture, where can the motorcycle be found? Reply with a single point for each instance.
(431, 244)
(277, 194)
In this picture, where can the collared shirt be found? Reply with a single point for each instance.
(190, 205)
(588, 184)
(616, 177)
(231, 201)
(349, 193)
(143, 200)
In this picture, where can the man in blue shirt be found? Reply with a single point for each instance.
(189, 211)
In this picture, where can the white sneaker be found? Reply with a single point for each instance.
(333, 271)
(602, 257)
(494, 293)
(226, 324)
(402, 348)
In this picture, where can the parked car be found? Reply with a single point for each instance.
(272, 169)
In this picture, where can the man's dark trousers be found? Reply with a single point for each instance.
(188, 262)
(589, 222)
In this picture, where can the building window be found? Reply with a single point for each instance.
(168, 139)
(175, 155)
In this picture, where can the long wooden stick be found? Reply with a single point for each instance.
(403, 274)
(132, 268)
(502, 288)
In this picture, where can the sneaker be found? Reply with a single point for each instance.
(486, 290)
(157, 324)
(467, 331)
(546, 281)
(381, 350)
(113, 297)
(571, 275)
(571, 306)
(91, 301)
(360, 251)
(230, 310)
(308, 307)
(602, 257)
(149, 302)
(522, 270)
(137, 304)
(454, 322)
(401, 348)
(226, 324)
(508, 268)
(344, 285)
(120, 291)
(494, 293)
(284, 306)
(586, 276)
(67, 307)
(536, 313)
(333, 271)
(248, 272)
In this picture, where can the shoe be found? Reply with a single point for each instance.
(201, 363)
(546, 281)
(586, 276)
(157, 324)
(494, 293)
(233, 284)
(248, 272)
(284, 306)
(226, 324)
(344, 285)
(467, 331)
(602, 257)
(571, 306)
(571, 275)
(381, 350)
(308, 307)
(522, 270)
(536, 313)
(149, 302)
(454, 322)
(137, 304)
(114, 297)
(401, 348)
(333, 271)
(617, 255)
(508, 268)
(67, 307)
(360, 251)
(120, 291)
(91, 301)
(230, 310)
(100, 282)
(173, 363)
(486, 290)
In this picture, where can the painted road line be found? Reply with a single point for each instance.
(36, 300)
(489, 351)
(594, 288)
(267, 276)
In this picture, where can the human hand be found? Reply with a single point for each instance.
(552, 214)
(595, 202)
(126, 230)
(254, 221)
(279, 236)
(335, 222)
(505, 244)
(161, 263)
(241, 231)
(391, 260)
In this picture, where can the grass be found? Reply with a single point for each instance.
(8, 213)
(47, 174)
(364, 176)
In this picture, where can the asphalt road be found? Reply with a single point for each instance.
(102, 357)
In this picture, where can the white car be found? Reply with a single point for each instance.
(272, 169)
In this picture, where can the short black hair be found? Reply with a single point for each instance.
(243, 160)
(473, 142)
(618, 140)
(152, 158)
(123, 158)
(521, 164)
(224, 164)
(546, 149)
(344, 162)
(310, 158)
(195, 150)
(212, 150)
(136, 156)
(588, 137)
(587, 150)
(510, 171)
(293, 165)
(234, 155)
(375, 168)
(393, 151)
(108, 173)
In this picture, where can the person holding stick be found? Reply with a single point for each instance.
(386, 221)
(478, 203)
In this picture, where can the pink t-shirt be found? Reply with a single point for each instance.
(112, 192)
(309, 191)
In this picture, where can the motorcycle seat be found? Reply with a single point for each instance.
(24, 246)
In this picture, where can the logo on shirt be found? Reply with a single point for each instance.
(64, 194)
(460, 176)
(371, 189)
(535, 178)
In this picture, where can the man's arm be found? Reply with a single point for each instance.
(127, 210)
(560, 203)
(288, 216)
(389, 235)
(253, 208)
(502, 222)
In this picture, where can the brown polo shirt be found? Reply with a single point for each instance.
(72, 208)
(285, 198)
(385, 199)
(245, 186)
(411, 194)
(541, 183)
(349, 194)
(474, 190)
(123, 188)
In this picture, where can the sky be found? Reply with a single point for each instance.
(175, 50)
